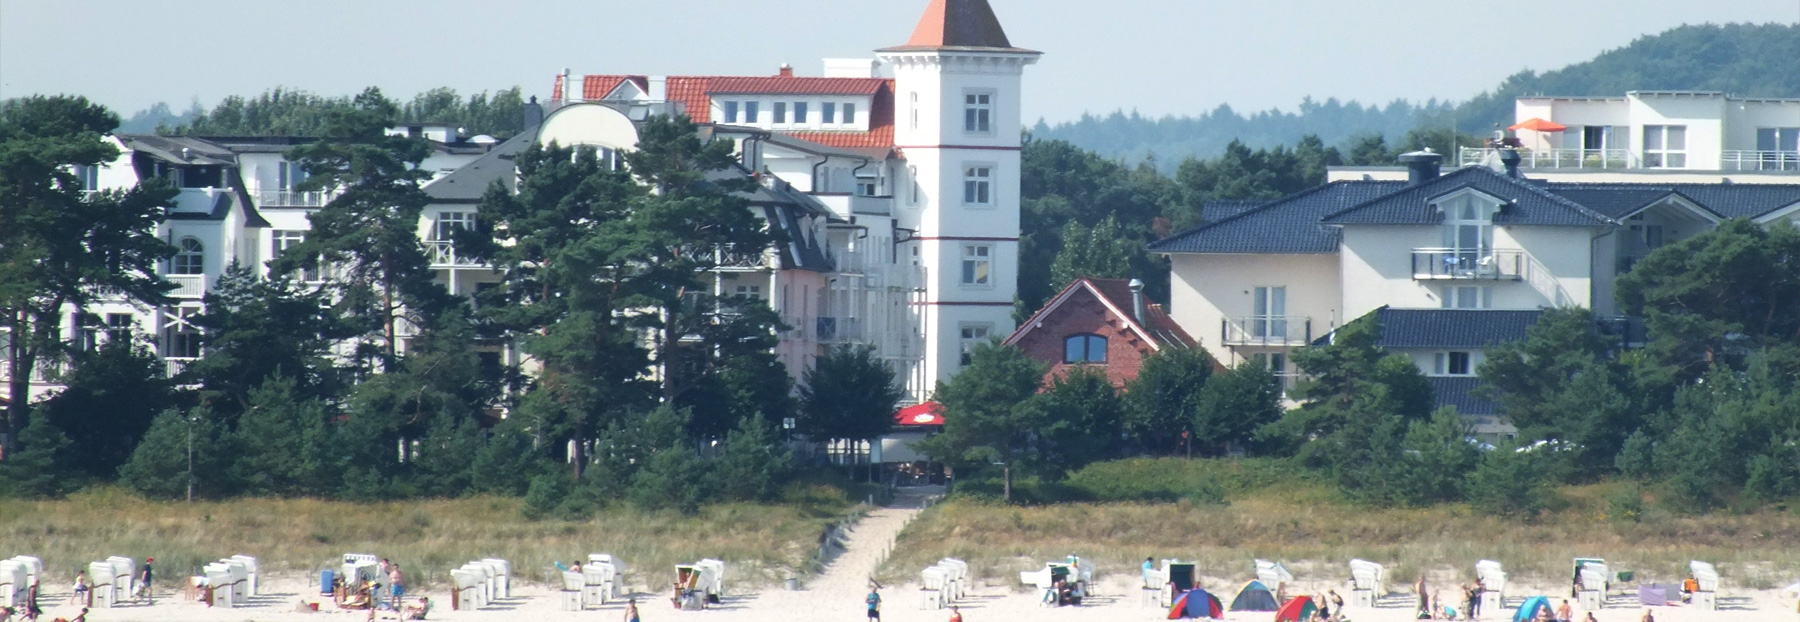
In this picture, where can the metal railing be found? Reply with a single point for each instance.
(174, 365)
(1458, 264)
(187, 285)
(443, 255)
(1555, 158)
(289, 198)
(1266, 330)
(41, 373)
(1740, 160)
(727, 260)
(832, 330)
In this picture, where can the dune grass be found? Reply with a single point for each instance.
(1308, 526)
(761, 543)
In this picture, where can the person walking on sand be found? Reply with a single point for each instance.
(81, 589)
(144, 581)
(874, 603)
(955, 614)
(396, 586)
(631, 612)
(1563, 613)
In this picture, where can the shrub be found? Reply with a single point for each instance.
(1637, 456)
(1509, 482)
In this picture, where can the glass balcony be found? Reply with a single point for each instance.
(1430, 264)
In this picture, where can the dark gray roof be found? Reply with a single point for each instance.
(1615, 203)
(1528, 203)
(1452, 328)
(1459, 391)
(179, 149)
(1285, 225)
(1725, 200)
(468, 182)
(1220, 209)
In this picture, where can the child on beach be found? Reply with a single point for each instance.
(81, 588)
(144, 581)
(631, 612)
(874, 603)
(955, 614)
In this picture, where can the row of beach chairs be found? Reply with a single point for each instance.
(699, 584)
(601, 579)
(17, 576)
(229, 582)
(479, 583)
(943, 583)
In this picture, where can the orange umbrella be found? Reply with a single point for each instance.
(1539, 125)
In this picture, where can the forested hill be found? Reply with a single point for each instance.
(1742, 59)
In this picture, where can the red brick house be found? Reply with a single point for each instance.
(1102, 322)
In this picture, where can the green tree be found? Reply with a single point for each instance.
(507, 462)
(1352, 386)
(367, 237)
(991, 409)
(254, 329)
(1101, 251)
(285, 442)
(1234, 405)
(59, 246)
(179, 449)
(1509, 482)
(1081, 420)
(1562, 383)
(40, 465)
(1161, 401)
(848, 394)
(753, 464)
(107, 403)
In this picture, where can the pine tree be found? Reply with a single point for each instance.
(753, 464)
(160, 467)
(39, 468)
(991, 409)
(286, 444)
(108, 402)
(848, 394)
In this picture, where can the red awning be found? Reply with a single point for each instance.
(928, 413)
(1539, 125)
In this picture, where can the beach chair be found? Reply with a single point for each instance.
(484, 583)
(1707, 577)
(573, 591)
(1367, 579)
(15, 583)
(250, 565)
(959, 579)
(240, 580)
(615, 572)
(102, 595)
(1044, 581)
(502, 576)
(124, 577)
(463, 586)
(712, 578)
(218, 585)
(599, 582)
(1272, 574)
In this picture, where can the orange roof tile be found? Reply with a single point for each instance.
(958, 24)
(779, 85)
(694, 93)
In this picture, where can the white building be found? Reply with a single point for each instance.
(1658, 130)
(1452, 262)
(918, 175)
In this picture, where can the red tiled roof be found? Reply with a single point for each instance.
(1117, 293)
(694, 94)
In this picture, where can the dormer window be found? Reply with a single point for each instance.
(828, 113)
(849, 114)
(1084, 349)
(731, 111)
(781, 113)
(800, 113)
(1468, 229)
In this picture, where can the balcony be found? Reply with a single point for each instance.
(833, 330)
(187, 285)
(41, 373)
(1433, 264)
(442, 254)
(846, 205)
(728, 261)
(173, 365)
(1738, 160)
(1554, 158)
(287, 198)
(1266, 330)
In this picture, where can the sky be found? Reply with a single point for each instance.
(1156, 57)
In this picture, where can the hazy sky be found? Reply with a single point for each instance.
(1155, 56)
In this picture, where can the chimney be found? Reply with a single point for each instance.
(787, 71)
(571, 90)
(534, 113)
(1509, 158)
(1137, 301)
(1421, 165)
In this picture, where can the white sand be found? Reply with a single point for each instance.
(837, 596)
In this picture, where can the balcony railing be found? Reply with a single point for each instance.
(175, 365)
(1450, 263)
(288, 198)
(443, 255)
(840, 330)
(730, 261)
(1736, 160)
(1555, 158)
(1266, 330)
(41, 373)
(187, 285)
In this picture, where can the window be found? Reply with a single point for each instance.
(1275, 362)
(89, 176)
(828, 113)
(87, 333)
(731, 111)
(1269, 317)
(1468, 297)
(190, 257)
(181, 338)
(977, 264)
(780, 112)
(1665, 146)
(118, 324)
(288, 175)
(800, 113)
(1084, 349)
(978, 113)
(973, 335)
(285, 239)
(1468, 233)
(448, 223)
(867, 187)
(752, 112)
(1779, 148)
(850, 115)
(978, 185)
(749, 291)
(912, 176)
(913, 109)
(1452, 364)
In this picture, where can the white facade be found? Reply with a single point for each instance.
(1670, 130)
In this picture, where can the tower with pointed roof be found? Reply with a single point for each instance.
(957, 120)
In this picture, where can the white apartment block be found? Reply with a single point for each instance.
(898, 197)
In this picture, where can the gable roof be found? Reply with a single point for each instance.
(958, 25)
(1453, 328)
(1528, 203)
(470, 181)
(1286, 225)
(1724, 200)
(1157, 328)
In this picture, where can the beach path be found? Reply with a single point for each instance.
(838, 592)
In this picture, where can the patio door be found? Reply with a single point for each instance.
(1270, 314)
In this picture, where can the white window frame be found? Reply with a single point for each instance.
(801, 111)
(89, 176)
(912, 108)
(972, 335)
(445, 226)
(780, 110)
(977, 266)
(1658, 149)
(752, 112)
(849, 113)
(1445, 363)
(288, 175)
(1468, 217)
(912, 177)
(1468, 297)
(190, 256)
(280, 240)
(1268, 312)
(730, 109)
(978, 112)
(978, 184)
(828, 113)
(748, 291)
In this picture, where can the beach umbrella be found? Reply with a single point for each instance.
(1538, 125)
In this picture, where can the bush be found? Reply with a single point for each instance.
(1637, 457)
(36, 470)
(159, 466)
(1625, 504)
(1509, 482)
